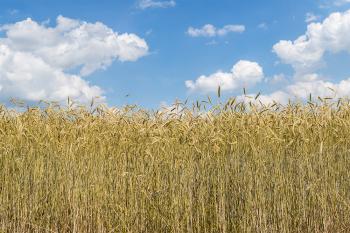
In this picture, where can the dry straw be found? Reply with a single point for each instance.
(235, 167)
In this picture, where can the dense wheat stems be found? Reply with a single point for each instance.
(230, 168)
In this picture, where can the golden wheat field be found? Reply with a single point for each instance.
(232, 167)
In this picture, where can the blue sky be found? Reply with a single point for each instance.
(174, 56)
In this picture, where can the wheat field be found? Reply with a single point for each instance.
(231, 167)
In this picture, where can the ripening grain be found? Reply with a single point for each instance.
(231, 170)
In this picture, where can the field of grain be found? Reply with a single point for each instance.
(229, 168)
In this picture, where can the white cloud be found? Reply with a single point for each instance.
(316, 88)
(311, 17)
(304, 55)
(37, 61)
(243, 74)
(278, 78)
(26, 76)
(307, 51)
(280, 97)
(277, 96)
(207, 30)
(144, 4)
(306, 77)
(321, 88)
(230, 28)
(74, 43)
(210, 30)
(301, 90)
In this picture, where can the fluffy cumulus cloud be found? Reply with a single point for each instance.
(281, 97)
(26, 76)
(144, 4)
(210, 30)
(37, 61)
(301, 90)
(243, 74)
(305, 54)
(277, 78)
(307, 51)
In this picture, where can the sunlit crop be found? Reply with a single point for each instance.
(229, 167)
